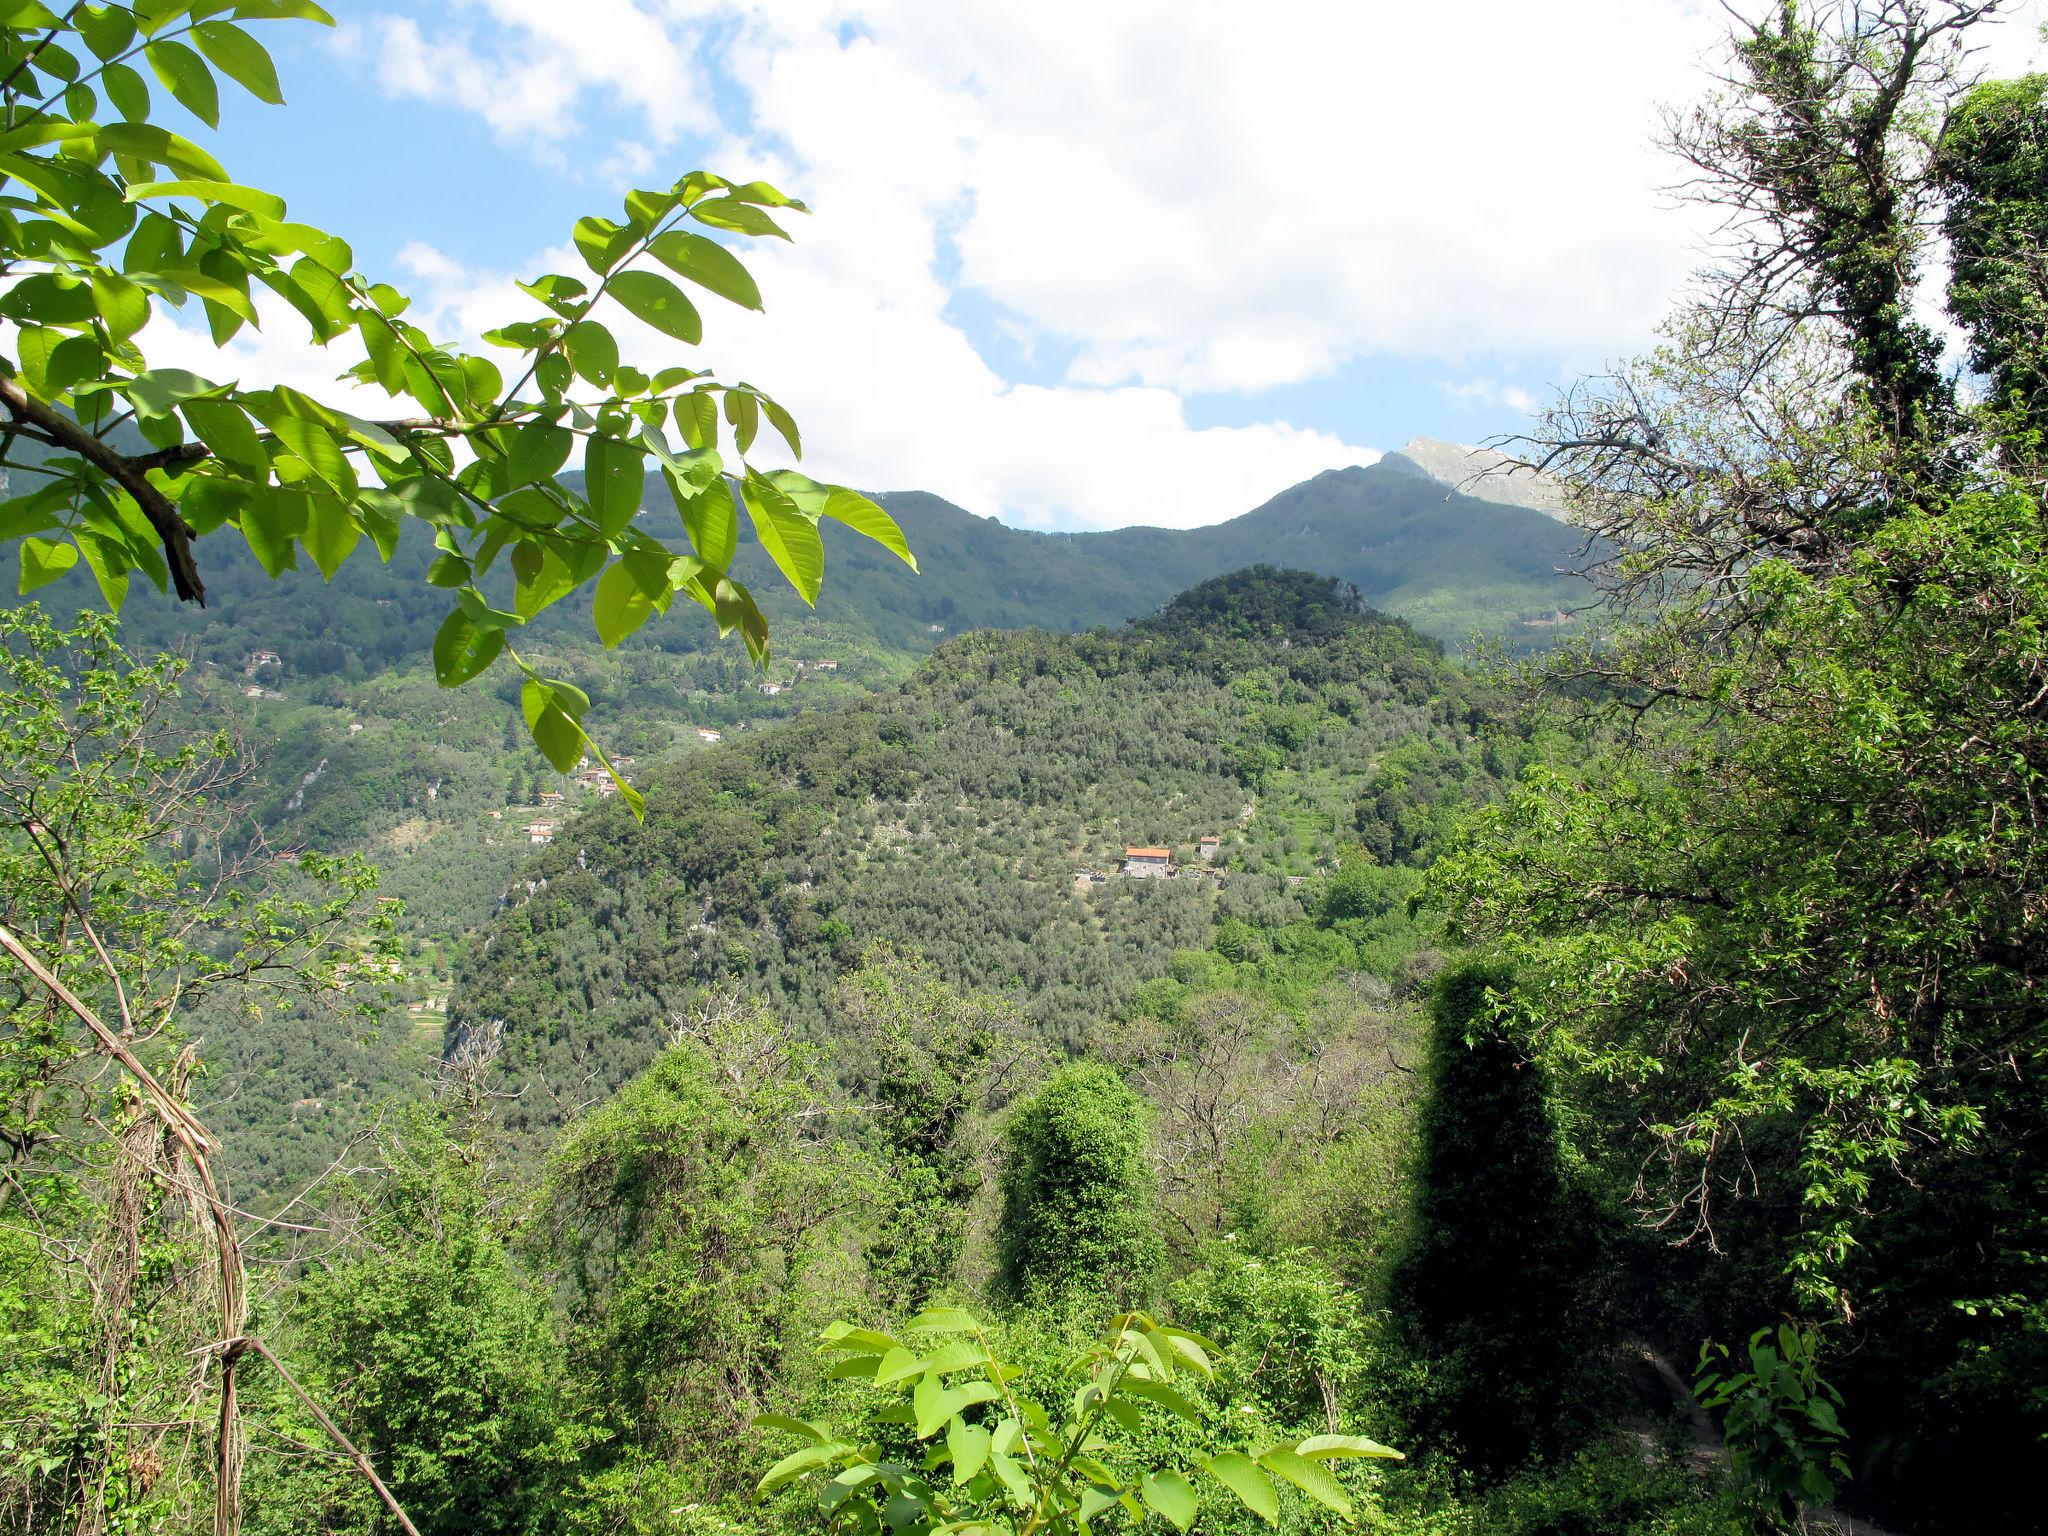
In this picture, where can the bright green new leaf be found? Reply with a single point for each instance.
(1160, 1393)
(803, 1427)
(537, 451)
(620, 606)
(1337, 1447)
(1241, 1475)
(863, 516)
(654, 299)
(943, 1320)
(331, 534)
(797, 1463)
(1169, 1496)
(233, 195)
(462, 650)
(614, 479)
(969, 1446)
(602, 242)
(790, 538)
(185, 75)
(241, 58)
(708, 264)
(557, 734)
(709, 520)
(43, 561)
(1311, 1477)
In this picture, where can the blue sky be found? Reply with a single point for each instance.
(1072, 265)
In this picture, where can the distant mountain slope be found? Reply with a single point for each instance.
(1448, 563)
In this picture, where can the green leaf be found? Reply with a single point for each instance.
(593, 351)
(231, 194)
(127, 91)
(707, 264)
(53, 361)
(555, 730)
(620, 606)
(969, 1446)
(864, 517)
(790, 538)
(109, 565)
(161, 390)
(462, 650)
(709, 519)
(1160, 1393)
(697, 419)
(43, 561)
(934, 1403)
(899, 1364)
(282, 10)
(185, 75)
(741, 217)
(745, 415)
(797, 1463)
(1241, 1475)
(846, 1336)
(784, 424)
(538, 450)
(107, 29)
(331, 534)
(815, 1433)
(654, 299)
(1311, 1477)
(944, 1320)
(614, 480)
(1011, 1476)
(1337, 1447)
(317, 449)
(241, 58)
(1169, 1496)
(602, 242)
(123, 306)
(272, 518)
(159, 146)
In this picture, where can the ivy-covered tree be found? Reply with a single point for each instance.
(1078, 1211)
(111, 218)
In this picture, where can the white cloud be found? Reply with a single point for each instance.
(538, 59)
(1179, 196)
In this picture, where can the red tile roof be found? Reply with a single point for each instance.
(1148, 853)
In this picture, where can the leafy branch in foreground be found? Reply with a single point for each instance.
(1014, 1468)
(103, 221)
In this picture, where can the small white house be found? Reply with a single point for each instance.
(540, 831)
(706, 735)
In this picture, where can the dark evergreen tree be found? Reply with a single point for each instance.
(1497, 1290)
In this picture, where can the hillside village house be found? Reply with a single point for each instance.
(540, 831)
(1148, 863)
(706, 735)
(550, 797)
(1210, 846)
(771, 689)
(261, 659)
(826, 666)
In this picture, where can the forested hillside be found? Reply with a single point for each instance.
(978, 817)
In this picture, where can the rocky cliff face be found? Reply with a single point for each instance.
(1480, 473)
